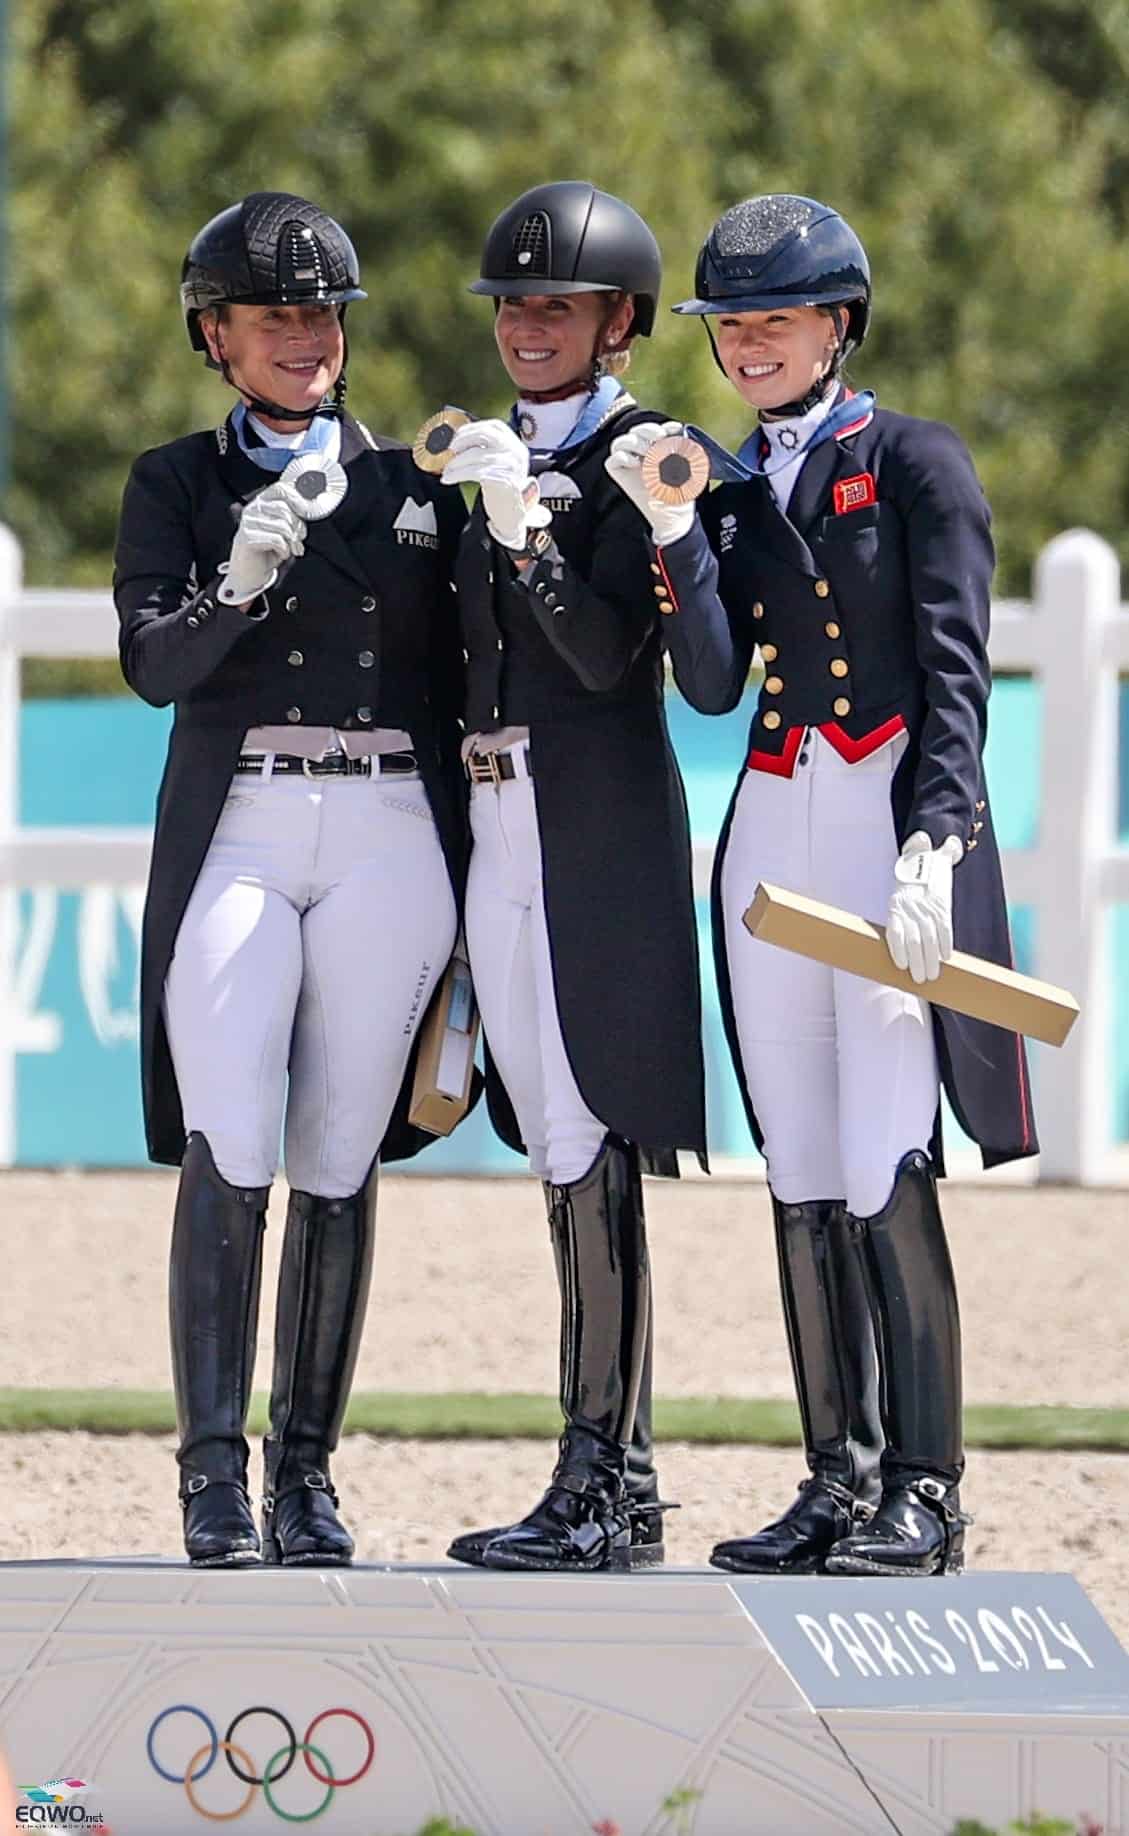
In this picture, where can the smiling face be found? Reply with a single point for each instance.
(286, 354)
(547, 340)
(775, 357)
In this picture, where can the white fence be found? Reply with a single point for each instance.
(1074, 637)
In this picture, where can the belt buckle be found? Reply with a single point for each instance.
(486, 768)
(329, 765)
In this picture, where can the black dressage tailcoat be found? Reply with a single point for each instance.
(360, 632)
(574, 652)
(883, 563)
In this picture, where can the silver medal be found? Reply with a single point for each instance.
(319, 483)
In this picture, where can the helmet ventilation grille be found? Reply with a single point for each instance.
(530, 251)
(301, 265)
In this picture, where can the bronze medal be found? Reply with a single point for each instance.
(676, 470)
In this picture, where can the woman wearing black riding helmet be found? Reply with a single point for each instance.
(853, 551)
(309, 840)
(580, 915)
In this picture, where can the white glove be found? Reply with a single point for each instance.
(624, 463)
(919, 928)
(271, 530)
(488, 453)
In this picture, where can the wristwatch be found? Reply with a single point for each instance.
(537, 543)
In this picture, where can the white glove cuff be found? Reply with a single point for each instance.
(670, 524)
(241, 596)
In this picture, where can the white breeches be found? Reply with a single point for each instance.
(510, 958)
(842, 1072)
(319, 924)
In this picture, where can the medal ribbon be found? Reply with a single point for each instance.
(607, 398)
(748, 461)
(322, 436)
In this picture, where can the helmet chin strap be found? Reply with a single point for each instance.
(804, 403)
(590, 380)
(276, 411)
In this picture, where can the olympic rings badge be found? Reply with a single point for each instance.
(242, 1766)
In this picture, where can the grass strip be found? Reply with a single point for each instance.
(470, 1415)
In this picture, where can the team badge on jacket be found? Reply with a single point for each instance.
(416, 526)
(558, 491)
(854, 493)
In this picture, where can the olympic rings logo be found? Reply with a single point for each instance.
(242, 1766)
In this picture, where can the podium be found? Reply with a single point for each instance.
(150, 1699)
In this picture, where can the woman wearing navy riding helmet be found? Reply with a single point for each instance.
(580, 913)
(853, 551)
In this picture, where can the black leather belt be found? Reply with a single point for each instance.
(494, 767)
(334, 765)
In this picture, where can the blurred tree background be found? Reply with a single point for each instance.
(980, 148)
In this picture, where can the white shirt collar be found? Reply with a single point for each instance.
(545, 426)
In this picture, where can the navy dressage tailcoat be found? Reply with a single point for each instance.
(870, 602)
(360, 632)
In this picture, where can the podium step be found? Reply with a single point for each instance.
(149, 1699)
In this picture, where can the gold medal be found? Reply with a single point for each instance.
(432, 445)
(676, 470)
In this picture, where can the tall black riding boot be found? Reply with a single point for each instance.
(599, 1237)
(835, 1367)
(215, 1265)
(918, 1528)
(323, 1286)
(644, 1506)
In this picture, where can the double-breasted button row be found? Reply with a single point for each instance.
(296, 658)
(294, 715)
(292, 603)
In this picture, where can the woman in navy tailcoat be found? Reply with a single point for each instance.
(851, 547)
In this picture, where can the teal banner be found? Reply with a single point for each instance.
(99, 761)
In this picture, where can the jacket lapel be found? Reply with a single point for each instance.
(241, 475)
(824, 466)
(811, 498)
(775, 530)
(244, 479)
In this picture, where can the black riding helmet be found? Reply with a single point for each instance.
(270, 249)
(569, 237)
(783, 250)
